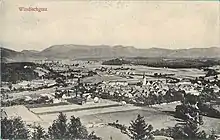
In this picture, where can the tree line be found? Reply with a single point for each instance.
(61, 128)
(186, 130)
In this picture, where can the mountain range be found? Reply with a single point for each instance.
(72, 51)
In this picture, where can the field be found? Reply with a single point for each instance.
(33, 94)
(180, 73)
(23, 112)
(96, 116)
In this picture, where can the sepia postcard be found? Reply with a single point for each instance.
(110, 69)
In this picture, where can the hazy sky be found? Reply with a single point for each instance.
(142, 24)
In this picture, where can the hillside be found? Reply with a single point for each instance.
(29, 52)
(83, 51)
(71, 51)
(9, 55)
(13, 72)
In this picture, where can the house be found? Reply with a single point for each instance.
(114, 83)
(194, 92)
(133, 82)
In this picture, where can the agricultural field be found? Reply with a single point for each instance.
(96, 116)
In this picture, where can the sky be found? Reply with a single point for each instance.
(142, 24)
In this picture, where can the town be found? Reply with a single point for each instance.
(110, 70)
(101, 94)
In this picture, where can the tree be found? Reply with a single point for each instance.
(59, 81)
(10, 85)
(213, 135)
(211, 72)
(14, 76)
(92, 136)
(188, 131)
(39, 133)
(76, 130)
(139, 130)
(13, 129)
(29, 85)
(58, 130)
(191, 130)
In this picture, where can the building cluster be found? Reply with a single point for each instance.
(120, 83)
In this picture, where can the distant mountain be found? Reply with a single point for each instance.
(30, 52)
(8, 55)
(196, 52)
(83, 51)
(72, 51)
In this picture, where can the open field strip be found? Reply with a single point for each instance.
(78, 109)
(23, 112)
(33, 94)
(88, 112)
(73, 107)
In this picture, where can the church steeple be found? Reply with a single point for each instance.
(144, 80)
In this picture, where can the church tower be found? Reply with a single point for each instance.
(144, 80)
